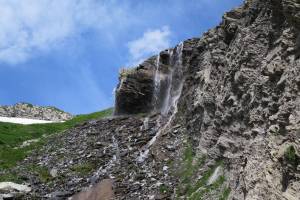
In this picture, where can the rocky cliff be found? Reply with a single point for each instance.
(216, 117)
(239, 103)
(26, 110)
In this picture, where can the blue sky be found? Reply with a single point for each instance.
(68, 53)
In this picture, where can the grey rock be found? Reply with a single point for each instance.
(26, 110)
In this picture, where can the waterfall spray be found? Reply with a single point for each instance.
(157, 83)
(175, 84)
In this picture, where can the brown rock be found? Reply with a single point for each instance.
(101, 191)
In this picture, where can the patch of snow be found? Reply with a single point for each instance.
(24, 121)
(10, 186)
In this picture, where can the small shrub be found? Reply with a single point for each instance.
(124, 72)
(44, 174)
(41, 171)
(29, 105)
(291, 156)
(225, 194)
(163, 189)
(83, 169)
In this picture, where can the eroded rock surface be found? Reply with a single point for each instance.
(26, 110)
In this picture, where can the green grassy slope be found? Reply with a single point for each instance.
(13, 135)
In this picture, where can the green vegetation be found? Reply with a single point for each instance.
(163, 189)
(225, 194)
(29, 105)
(188, 172)
(43, 173)
(291, 156)
(13, 177)
(84, 168)
(190, 166)
(13, 135)
(202, 188)
(124, 72)
(10, 156)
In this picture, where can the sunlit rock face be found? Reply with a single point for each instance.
(239, 99)
(29, 111)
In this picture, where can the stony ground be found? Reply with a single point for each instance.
(103, 149)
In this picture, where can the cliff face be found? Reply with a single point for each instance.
(221, 119)
(26, 110)
(240, 98)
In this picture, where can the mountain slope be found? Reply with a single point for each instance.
(220, 120)
(29, 111)
(17, 141)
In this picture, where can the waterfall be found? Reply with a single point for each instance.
(115, 160)
(172, 95)
(116, 147)
(157, 83)
(175, 82)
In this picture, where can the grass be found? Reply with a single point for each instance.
(291, 156)
(225, 194)
(83, 169)
(124, 72)
(43, 173)
(12, 177)
(188, 171)
(163, 189)
(13, 135)
(204, 189)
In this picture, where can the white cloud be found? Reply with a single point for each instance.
(30, 26)
(152, 42)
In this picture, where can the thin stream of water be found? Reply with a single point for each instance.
(173, 93)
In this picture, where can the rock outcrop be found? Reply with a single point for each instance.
(26, 110)
(240, 98)
(221, 119)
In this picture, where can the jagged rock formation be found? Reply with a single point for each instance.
(135, 90)
(26, 110)
(240, 98)
(221, 119)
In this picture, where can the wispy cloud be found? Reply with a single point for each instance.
(150, 43)
(30, 26)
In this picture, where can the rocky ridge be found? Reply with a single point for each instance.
(221, 120)
(29, 111)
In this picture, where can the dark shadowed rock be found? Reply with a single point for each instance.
(135, 91)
